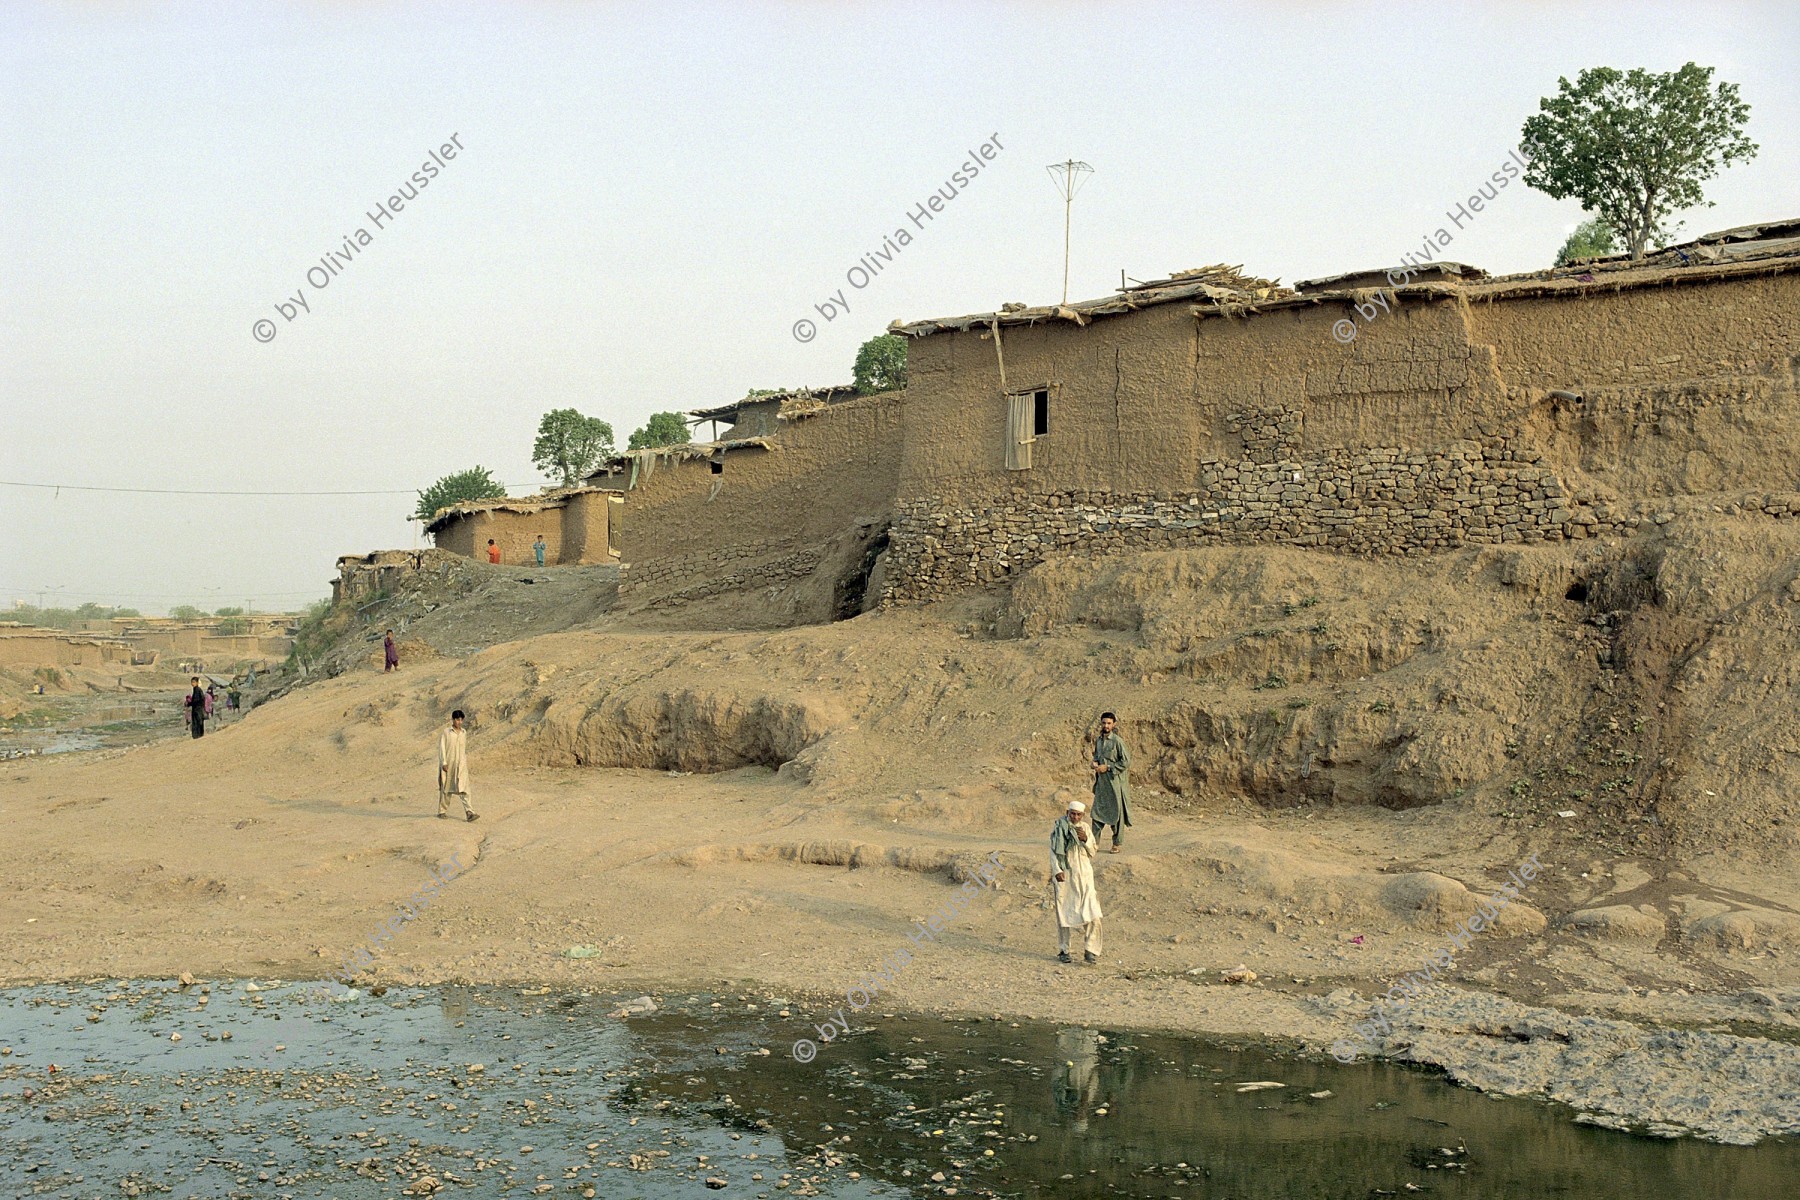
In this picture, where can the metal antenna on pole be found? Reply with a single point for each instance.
(1068, 177)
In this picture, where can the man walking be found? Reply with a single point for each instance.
(1072, 884)
(390, 653)
(538, 547)
(1112, 796)
(453, 768)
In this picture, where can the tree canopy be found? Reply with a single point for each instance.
(663, 429)
(1592, 238)
(569, 446)
(1635, 147)
(63, 618)
(228, 611)
(472, 484)
(881, 364)
(186, 612)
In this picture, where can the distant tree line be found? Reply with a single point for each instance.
(65, 618)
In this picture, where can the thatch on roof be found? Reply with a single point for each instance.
(1222, 286)
(1419, 272)
(513, 504)
(641, 464)
(1766, 248)
(804, 396)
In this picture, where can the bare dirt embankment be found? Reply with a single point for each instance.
(1334, 759)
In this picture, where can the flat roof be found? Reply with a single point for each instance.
(1767, 247)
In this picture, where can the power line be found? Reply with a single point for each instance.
(194, 594)
(79, 487)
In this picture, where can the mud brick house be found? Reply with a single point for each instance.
(804, 507)
(761, 413)
(576, 525)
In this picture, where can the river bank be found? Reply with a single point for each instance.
(256, 1087)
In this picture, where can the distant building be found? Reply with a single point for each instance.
(759, 414)
(576, 525)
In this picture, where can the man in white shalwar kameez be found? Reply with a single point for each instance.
(453, 767)
(1072, 883)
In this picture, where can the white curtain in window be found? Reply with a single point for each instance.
(1019, 426)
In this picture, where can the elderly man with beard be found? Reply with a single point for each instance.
(1072, 884)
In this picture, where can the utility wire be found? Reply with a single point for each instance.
(78, 487)
(220, 594)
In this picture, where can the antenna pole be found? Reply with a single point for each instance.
(1068, 176)
(1068, 209)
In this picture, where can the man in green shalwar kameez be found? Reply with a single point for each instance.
(1112, 794)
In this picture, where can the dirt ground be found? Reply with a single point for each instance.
(1334, 759)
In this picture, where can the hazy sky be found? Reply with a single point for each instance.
(649, 197)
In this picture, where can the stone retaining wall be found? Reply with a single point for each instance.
(1366, 502)
(697, 577)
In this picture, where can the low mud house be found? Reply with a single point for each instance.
(575, 524)
(213, 639)
(760, 414)
(33, 647)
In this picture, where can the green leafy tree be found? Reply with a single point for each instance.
(228, 612)
(569, 446)
(881, 364)
(472, 484)
(663, 429)
(44, 618)
(64, 618)
(1634, 147)
(186, 612)
(1592, 238)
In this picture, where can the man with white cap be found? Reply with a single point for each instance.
(1072, 884)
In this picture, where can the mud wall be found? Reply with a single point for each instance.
(1684, 390)
(582, 535)
(245, 646)
(38, 651)
(513, 532)
(574, 529)
(769, 516)
(1419, 436)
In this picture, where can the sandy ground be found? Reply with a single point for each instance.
(630, 804)
(273, 848)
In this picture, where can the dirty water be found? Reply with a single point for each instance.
(29, 743)
(313, 1090)
(100, 722)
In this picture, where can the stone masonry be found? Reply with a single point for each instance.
(697, 577)
(1365, 501)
